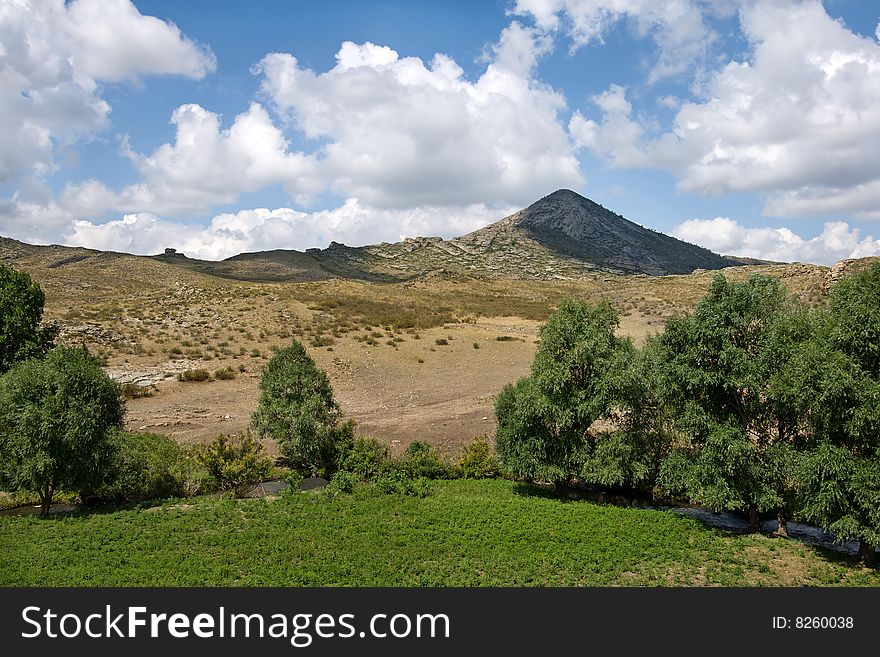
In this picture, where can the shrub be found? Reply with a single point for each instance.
(421, 460)
(151, 466)
(294, 481)
(397, 481)
(225, 373)
(478, 460)
(505, 338)
(476, 345)
(135, 391)
(440, 342)
(342, 483)
(366, 458)
(297, 409)
(194, 375)
(322, 341)
(236, 464)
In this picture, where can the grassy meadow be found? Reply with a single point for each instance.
(463, 533)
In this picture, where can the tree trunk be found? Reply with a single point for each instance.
(867, 555)
(782, 529)
(754, 520)
(46, 500)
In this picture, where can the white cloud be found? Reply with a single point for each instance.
(619, 138)
(677, 27)
(263, 229)
(33, 222)
(207, 165)
(799, 120)
(723, 235)
(398, 132)
(52, 57)
(392, 132)
(112, 41)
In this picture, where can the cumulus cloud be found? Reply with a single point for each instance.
(111, 40)
(619, 138)
(723, 235)
(54, 55)
(388, 131)
(263, 229)
(31, 221)
(207, 165)
(678, 27)
(397, 132)
(800, 119)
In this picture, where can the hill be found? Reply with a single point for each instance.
(563, 236)
(571, 226)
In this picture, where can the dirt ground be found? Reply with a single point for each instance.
(447, 399)
(149, 320)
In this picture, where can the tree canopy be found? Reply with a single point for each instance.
(21, 310)
(544, 420)
(751, 402)
(297, 409)
(57, 416)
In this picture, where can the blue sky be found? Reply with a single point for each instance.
(748, 127)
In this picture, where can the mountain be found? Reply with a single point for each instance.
(561, 236)
(572, 226)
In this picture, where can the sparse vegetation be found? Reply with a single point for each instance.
(194, 375)
(225, 373)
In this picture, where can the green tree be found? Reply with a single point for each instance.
(57, 417)
(835, 381)
(297, 409)
(717, 367)
(21, 309)
(544, 420)
(629, 457)
(854, 318)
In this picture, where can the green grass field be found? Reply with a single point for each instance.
(464, 533)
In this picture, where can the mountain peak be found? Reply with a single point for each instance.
(577, 228)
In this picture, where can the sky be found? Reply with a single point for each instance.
(748, 127)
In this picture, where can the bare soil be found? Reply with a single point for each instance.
(378, 342)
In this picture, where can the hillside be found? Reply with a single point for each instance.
(563, 236)
(571, 226)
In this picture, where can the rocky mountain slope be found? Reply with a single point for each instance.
(562, 236)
